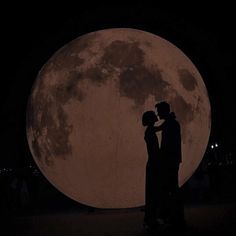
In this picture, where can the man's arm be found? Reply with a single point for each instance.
(159, 128)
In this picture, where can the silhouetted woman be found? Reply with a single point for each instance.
(153, 170)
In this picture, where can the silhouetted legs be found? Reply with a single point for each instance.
(151, 195)
(173, 207)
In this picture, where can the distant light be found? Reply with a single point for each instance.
(212, 146)
(216, 145)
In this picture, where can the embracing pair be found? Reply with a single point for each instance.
(162, 198)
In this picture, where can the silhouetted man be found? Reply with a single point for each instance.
(171, 159)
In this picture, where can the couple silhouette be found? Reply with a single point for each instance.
(163, 205)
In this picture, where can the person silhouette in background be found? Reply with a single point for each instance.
(153, 170)
(171, 157)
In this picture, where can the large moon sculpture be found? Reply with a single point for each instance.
(84, 114)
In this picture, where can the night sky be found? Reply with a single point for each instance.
(31, 36)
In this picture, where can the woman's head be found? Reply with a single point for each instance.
(149, 118)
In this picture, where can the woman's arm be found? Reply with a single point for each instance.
(160, 127)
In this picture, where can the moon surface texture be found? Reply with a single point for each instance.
(84, 114)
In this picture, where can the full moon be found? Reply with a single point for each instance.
(84, 114)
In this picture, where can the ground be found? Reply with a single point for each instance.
(201, 220)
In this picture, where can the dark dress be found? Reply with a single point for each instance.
(153, 177)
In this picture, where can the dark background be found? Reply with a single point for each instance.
(31, 34)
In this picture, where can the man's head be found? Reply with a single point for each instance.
(163, 109)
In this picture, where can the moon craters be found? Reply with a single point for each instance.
(140, 82)
(189, 82)
(50, 128)
(123, 54)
